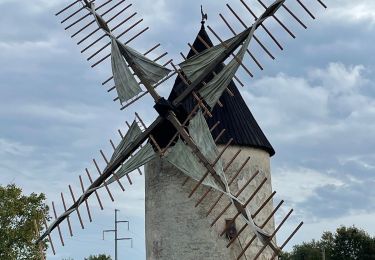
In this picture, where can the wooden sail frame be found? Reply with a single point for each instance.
(191, 87)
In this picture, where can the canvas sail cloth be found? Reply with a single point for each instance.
(123, 57)
(182, 157)
(195, 66)
(127, 86)
(143, 156)
(132, 134)
(147, 69)
(153, 72)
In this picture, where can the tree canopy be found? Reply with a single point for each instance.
(98, 257)
(347, 243)
(18, 215)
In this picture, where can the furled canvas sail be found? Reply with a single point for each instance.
(202, 137)
(98, 18)
(132, 134)
(122, 56)
(143, 156)
(126, 85)
(195, 66)
(183, 158)
(212, 91)
(271, 10)
(148, 69)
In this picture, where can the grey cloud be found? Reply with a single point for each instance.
(331, 201)
(324, 122)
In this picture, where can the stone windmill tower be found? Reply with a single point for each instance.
(207, 162)
(174, 226)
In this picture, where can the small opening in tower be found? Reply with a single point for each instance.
(230, 227)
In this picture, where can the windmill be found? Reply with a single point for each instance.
(190, 157)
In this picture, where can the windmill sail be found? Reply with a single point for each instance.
(126, 85)
(143, 156)
(145, 68)
(197, 69)
(195, 66)
(132, 134)
(98, 18)
(213, 90)
(182, 157)
(272, 9)
(201, 134)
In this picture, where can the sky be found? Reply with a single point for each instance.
(315, 102)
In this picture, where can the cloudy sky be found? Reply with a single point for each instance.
(315, 102)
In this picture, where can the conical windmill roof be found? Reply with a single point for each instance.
(234, 116)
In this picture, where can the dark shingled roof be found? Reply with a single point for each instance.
(234, 116)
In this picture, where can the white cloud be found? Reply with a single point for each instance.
(352, 11)
(297, 185)
(321, 104)
(66, 114)
(339, 79)
(365, 161)
(8, 147)
(148, 9)
(36, 6)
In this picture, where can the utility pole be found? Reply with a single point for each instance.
(116, 233)
(323, 253)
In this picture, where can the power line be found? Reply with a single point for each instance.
(116, 233)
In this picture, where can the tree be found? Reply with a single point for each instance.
(353, 243)
(348, 243)
(307, 251)
(18, 215)
(98, 257)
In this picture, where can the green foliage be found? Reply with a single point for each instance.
(307, 251)
(348, 243)
(353, 243)
(98, 257)
(18, 215)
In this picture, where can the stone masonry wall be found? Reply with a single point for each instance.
(177, 230)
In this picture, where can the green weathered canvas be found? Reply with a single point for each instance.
(126, 85)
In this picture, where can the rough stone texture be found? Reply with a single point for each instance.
(177, 230)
